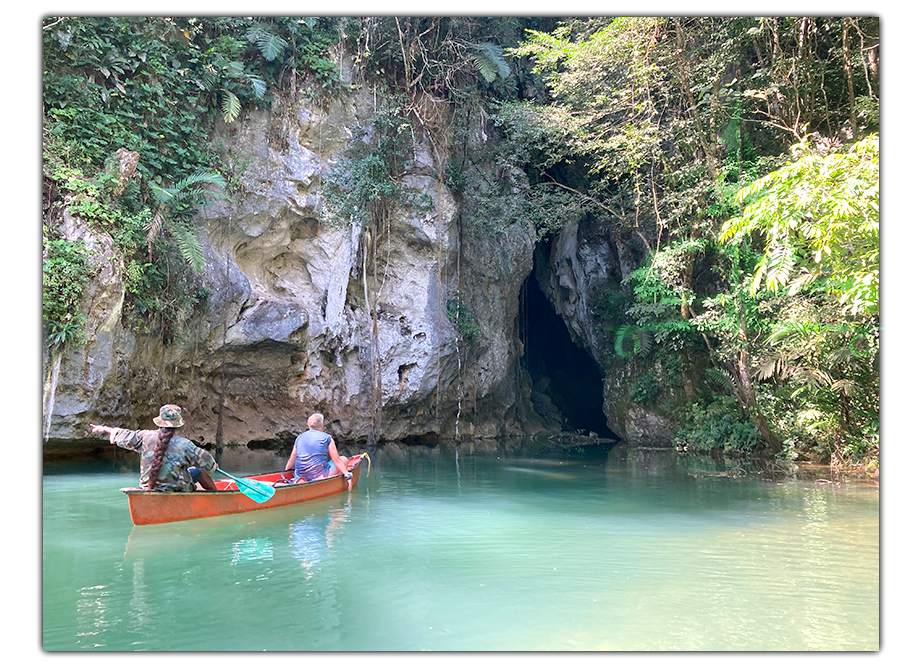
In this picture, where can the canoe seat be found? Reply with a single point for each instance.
(286, 482)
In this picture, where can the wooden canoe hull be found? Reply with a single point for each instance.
(149, 507)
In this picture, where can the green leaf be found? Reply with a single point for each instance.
(189, 247)
(231, 106)
(271, 46)
(489, 61)
(259, 86)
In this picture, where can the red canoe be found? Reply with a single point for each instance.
(154, 507)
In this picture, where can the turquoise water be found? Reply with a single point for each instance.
(488, 548)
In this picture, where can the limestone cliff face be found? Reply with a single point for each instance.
(287, 326)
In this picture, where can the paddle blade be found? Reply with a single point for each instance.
(256, 491)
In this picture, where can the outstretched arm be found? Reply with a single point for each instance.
(99, 428)
(128, 439)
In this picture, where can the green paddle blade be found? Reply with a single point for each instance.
(251, 488)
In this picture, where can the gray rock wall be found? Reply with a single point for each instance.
(286, 318)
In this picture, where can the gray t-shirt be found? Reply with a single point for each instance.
(312, 454)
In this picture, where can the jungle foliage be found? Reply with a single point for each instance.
(744, 154)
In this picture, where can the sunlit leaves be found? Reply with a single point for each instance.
(231, 106)
(65, 273)
(819, 216)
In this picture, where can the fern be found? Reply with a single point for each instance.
(719, 379)
(626, 338)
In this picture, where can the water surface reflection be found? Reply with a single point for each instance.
(494, 546)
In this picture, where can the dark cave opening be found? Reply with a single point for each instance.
(560, 370)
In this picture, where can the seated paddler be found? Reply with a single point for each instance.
(169, 462)
(315, 455)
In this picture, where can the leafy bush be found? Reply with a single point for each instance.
(65, 274)
(464, 320)
(720, 425)
(364, 185)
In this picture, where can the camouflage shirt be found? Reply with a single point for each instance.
(181, 453)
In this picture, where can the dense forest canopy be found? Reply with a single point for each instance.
(741, 154)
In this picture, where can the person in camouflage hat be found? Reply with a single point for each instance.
(168, 461)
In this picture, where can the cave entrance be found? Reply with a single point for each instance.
(560, 370)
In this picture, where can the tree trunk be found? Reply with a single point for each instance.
(746, 394)
(747, 397)
(849, 71)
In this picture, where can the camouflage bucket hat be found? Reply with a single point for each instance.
(169, 415)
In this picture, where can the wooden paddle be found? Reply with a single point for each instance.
(251, 488)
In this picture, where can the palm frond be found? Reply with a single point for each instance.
(253, 31)
(489, 61)
(259, 86)
(153, 229)
(770, 367)
(164, 195)
(812, 378)
(234, 68)
(840, 355)
(792, 330)
(231, 106)
(200, 177)
(189, 247)
(209, 77)
(845, 387)
(270, 45)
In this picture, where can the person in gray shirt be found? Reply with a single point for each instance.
(315, 455)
